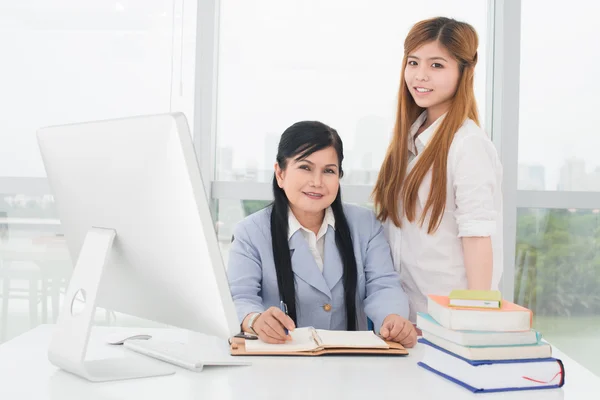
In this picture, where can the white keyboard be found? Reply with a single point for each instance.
(190, 356)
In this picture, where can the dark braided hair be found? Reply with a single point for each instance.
(299, 141)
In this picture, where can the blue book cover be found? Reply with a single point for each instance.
(487, 362)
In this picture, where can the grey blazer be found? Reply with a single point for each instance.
(320, 296)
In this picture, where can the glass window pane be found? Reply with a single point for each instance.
(229, 213)
(557, 276)
(342, 67)
(558, 116)
(72, 61)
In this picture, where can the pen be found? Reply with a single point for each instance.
(283, 308)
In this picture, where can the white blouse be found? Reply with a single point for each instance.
(316, 243)
(434, 264)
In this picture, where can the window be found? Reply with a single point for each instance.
(558, 87)
(557, 276)
(556, 264)
(334, 61)
(67, 62)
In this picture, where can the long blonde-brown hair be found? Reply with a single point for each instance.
(460, 40)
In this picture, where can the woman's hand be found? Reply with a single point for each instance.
(270, 326)
(398, 329)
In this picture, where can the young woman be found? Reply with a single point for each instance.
(327, 262)
(438, 190)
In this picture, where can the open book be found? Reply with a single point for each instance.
(311, 341)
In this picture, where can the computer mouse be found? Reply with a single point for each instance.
(120, 338)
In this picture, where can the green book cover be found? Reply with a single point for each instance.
(485, 295)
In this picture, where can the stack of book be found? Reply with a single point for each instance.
(486, 344)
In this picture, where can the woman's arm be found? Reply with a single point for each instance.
(477, 190)
(478, 262)
(244, 273)
(384, 294)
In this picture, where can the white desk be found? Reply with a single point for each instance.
(26, 373)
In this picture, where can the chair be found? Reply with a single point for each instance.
(11, 272)
(45, 269)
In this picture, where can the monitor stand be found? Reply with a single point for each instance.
(68, 346)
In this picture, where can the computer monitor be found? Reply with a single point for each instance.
(138, 227)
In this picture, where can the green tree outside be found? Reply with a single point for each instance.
(557, 267)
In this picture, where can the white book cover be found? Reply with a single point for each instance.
(538, 350)
(427, 323)
(509, 318)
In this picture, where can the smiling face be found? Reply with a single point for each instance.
(312, 183)
(432, 75)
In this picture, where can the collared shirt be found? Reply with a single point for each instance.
(316, 243)
(434, 264)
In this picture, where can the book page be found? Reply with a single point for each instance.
(352, 339)
(302, 340)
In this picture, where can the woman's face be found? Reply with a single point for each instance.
(432, 75)
(310, 184)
